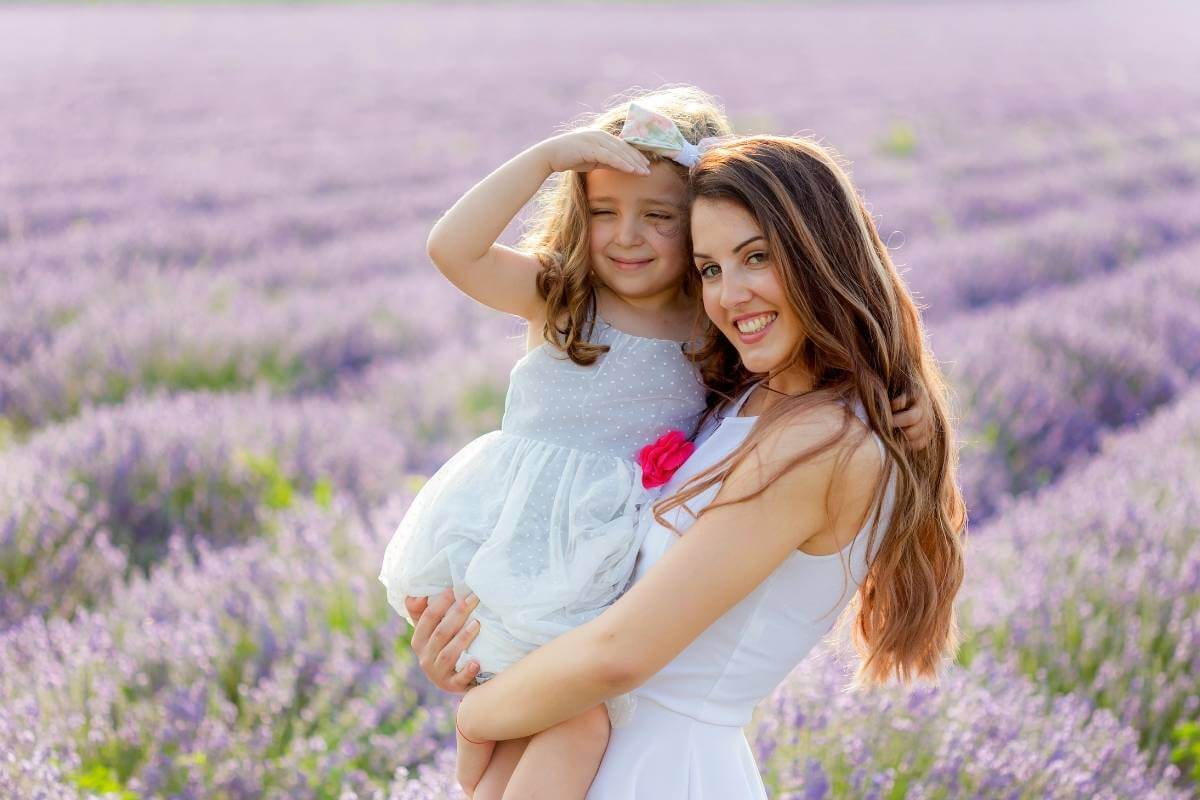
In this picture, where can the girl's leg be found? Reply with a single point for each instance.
(561, 762)
(499, 770)
(470, 761)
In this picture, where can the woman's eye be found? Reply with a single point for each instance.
(709, 271)
(761, 258)
(599, 211)
(659, 216)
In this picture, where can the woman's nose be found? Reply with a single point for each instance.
(734, 291)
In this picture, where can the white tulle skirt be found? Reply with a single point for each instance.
(663, 755)
(545, 535)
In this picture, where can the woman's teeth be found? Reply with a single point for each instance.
(756, 324)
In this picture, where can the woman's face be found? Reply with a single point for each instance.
(638, 235)
(743, 295)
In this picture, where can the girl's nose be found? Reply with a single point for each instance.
(629, 232)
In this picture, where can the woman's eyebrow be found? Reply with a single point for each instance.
(739, 247)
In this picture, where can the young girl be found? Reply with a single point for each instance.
(538, 520)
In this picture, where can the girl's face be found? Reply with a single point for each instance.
(742, 293)
(638, 235)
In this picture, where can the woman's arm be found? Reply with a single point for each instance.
(721, 559)
(463, 242)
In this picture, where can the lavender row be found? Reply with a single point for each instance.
(199, 332)
(1038, 384)
(441, 401)
(163, 237)
(85, 505)
(984, 731)
(271, 669)
(1004, 263)
(931, 205)
(1093, 586)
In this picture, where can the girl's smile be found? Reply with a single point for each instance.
(637, 231)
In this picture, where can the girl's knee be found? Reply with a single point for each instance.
(592, 725)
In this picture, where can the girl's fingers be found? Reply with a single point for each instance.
(621, 155)
(626, 149)
(628, 155)
(900, 403)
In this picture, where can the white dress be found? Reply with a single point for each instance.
(684, 740)
(540, 518)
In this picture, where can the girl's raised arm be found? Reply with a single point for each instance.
(463, 242)
(728, 552)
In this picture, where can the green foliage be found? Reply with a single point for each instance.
(481, 406)
(322, 493)
(901, 140)
(107, 768)
(1186, 753)
(277, 490)
(99, 778)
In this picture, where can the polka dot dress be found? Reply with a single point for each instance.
(540, 518)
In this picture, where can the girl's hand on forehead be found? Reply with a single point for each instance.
(583, 151)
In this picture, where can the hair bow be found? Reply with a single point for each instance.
(649, 130)
(658, 133)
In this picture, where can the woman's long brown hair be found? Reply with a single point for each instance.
(863, 342)
(559, 233)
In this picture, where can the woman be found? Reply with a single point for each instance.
(800, 501)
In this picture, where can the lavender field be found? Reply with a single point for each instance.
(226, 365)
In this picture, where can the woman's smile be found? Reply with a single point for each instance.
(754, 327)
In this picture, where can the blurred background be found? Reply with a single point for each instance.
(226, 364)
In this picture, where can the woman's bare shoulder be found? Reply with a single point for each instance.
(791, 463)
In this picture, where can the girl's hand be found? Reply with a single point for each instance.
(586, 150)
(914, 420)
(440, 637)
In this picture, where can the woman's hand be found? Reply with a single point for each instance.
(441, 636)
(586, 150)
(913, 419)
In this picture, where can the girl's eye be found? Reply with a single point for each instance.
(762, 258)
(598, 211)
(707, 272)
(659, 216)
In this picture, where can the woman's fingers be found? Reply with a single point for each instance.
(416, 607)
(452, 622)
(913, 420)
(449, 655)
(432, 615)
(461, 680)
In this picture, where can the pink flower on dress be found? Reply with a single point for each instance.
(662, 457)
